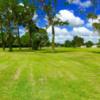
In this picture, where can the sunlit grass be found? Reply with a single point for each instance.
(67, 74)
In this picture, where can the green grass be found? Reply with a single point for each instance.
(67, 74)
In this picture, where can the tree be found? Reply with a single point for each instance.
(89, 44)
(28, 14)
(25, 40)
(2, 33)
(77, 41)
(8, 19)
(93, 15)
(98, 44)
(2, 8)
(17, 19)
(68, 43)
(40, 39)
(50, 7)
(97, 26)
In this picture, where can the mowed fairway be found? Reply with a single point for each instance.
(68, 74)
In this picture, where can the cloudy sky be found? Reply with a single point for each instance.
(76, 15)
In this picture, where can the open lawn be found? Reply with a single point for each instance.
(67, 74)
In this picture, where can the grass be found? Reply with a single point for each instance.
(67, 74)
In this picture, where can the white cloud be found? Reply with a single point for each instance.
(87, 34)
(21, 4)
(66, 15)
(74, 1)
(58, 31)
(85, 4)
(35, 16)
(22, 31)
(61, 34)
(82, 31)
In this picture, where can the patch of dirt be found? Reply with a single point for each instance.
(17, 74)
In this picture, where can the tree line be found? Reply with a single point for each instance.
(15, 13)
(78, 42)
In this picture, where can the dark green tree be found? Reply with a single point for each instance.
(25, 40)
(68, 43)
(77, 41)
(40, 39)
(89, 44)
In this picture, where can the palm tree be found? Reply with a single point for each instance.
(97, 26)
(49, 7)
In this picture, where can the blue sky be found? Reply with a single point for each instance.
(75, 14)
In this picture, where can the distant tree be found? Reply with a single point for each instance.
(77, 41)
(89, 44)
(98, 44)
(68, 43)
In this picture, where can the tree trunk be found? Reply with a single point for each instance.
(53, 38)
(2, 36)
(9, 37)
(31, 39)
(19, 40)
(10, 41)
(10, 47)
(32, 42)
(3, 42)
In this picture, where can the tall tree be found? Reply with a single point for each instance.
(2, 8)
(28, 14)
(50, 9)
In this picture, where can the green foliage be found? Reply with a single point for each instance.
(91, 15)
(40, 39)
(25, 40)
(97, 26)
(89, 44)
(77, 41)
(98, 44)
(68, 43)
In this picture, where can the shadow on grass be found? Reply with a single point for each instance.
(57, 50)
(96, 52)
(44, 50)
